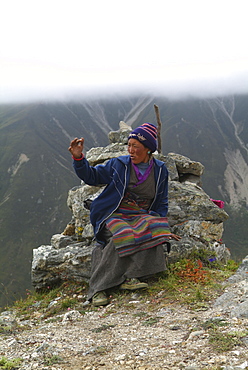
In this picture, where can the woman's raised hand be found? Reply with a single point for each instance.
(76, 147)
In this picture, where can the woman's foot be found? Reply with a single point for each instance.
(133, 284)
(100, 299)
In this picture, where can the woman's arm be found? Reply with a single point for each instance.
(98, 175)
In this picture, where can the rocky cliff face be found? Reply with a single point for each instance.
(192, 215)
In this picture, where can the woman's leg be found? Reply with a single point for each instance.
(109, 269)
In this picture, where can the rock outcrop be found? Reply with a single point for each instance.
(192, 215)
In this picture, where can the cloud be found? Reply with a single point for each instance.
(56, 50)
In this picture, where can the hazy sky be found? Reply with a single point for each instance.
(54, 49)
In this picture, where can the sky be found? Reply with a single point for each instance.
(52, 50)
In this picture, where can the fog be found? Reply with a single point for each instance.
(61, 50)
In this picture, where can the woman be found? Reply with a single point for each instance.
(129, 216)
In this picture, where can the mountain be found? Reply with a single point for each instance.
(36, 171)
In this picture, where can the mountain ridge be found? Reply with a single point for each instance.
(36, 170)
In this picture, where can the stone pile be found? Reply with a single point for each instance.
(192, 215)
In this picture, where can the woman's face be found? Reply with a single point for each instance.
(138, 152)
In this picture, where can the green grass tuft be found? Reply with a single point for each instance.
(223, 342)
(10, 364)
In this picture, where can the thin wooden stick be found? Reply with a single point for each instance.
(159, 128)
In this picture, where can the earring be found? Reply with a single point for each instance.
(148, 152)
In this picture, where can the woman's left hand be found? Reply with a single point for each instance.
(174, 236)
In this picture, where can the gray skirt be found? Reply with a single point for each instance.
(109, 269)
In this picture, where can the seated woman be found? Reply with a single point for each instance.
(129, 216)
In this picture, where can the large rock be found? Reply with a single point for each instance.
(81, 215)
(183, 248)
(100, 154)
(192, 215)
(234, 301)
(120, 136)
(186, 165)
(51, 266)
(188, 201)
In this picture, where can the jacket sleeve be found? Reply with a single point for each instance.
(98, 175)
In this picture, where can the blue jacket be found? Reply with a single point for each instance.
(115, 174)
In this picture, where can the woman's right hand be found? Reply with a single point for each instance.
(76, 147)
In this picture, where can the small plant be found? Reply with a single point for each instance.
(231, 265)
(206, 256)
(140, 314)
(191, 271)
(68, 303)
(101, 350)
(55, 359)
(6, 329)
(102, 328)
(151, 321)
(223, 342)
(10, 364)
(214, 323)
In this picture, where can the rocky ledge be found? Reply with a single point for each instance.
(134, 332)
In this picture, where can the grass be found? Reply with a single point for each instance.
(191, 282)
(151, 321)
(55, 359)
(223, 342)
(102, 328)
(214, 323)
(10, 364)
(49, 303)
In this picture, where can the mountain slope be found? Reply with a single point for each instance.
(36, 175)
(36, 171)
